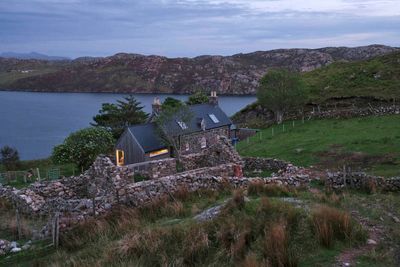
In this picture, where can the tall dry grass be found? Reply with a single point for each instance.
(276, 245)
(332, 224)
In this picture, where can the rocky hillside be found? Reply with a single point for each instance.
(237, 74)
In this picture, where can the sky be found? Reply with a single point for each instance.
(187, 28)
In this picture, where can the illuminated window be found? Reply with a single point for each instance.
(120, 157)
(158, 153)
(203, 142)
(213, 118)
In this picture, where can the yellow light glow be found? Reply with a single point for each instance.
(120, 155)
(158, 153)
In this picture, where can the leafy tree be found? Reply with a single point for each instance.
(9, 158)
(114, 117)
(171, 102)
(168, 128)
(198, 97)
(83, 146)
(281, 91)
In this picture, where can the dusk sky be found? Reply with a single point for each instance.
(174, 28)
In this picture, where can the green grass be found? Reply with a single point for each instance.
(378, 77)
(370, 143)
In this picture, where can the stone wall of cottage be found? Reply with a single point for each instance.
(193, 141)
(221, 152)
(153, 169)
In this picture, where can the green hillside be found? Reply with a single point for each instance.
(371, 144)
(378, 77)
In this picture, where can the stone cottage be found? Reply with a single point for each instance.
(140, 143)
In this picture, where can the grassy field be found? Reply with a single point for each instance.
(44, 165)
(378, 77)
(371, 144)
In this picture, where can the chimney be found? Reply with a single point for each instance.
(156, 106)
(213, 99)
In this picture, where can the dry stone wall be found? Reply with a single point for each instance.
(361, 180)
(255, 163)
(153, 169)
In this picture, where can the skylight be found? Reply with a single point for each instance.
(182, 125)
(213, 118)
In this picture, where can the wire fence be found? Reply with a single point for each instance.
(21, 178)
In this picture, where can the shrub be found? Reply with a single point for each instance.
(256, 187)
(9, 157)
(83, 146)
(274, 190)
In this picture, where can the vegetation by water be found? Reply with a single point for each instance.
(370, 143)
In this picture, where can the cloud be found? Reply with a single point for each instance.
(192, 27)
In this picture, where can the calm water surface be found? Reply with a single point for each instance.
(35, 122)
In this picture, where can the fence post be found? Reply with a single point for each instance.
(18, 221)
(344, 175)
(293, 124)
(272, 131)
(56, 229)
(283, 127)
(38, 174)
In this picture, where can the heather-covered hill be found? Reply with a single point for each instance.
(133, 73)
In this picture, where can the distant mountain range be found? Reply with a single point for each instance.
(31, 55)
(132, 73)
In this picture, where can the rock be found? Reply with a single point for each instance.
(371, 242)
(14, 250)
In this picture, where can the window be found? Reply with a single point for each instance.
(158, 153)
(213, 118)
(187, 147)
(182, 125)
(203, 142)
(120, 155)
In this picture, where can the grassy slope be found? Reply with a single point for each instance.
(166, 234)
(302, 145)
(378, 77)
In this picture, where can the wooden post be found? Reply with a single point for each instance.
(344, 175)
(272, 131)
(38, 174)
(56, 229)
(248, 140)
(18, 221)
(293, 124)
(303, 119)
(283, 127)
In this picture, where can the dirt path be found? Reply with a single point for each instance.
(375, 234)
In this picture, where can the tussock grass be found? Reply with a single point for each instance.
(332, 224)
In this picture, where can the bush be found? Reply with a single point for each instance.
(9, 158)
(83, 146)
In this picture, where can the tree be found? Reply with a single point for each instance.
(198, 97)
(281, 91)
(83, 146)
(114, 117)
(9, 158)
(171, 102)
(168, 127)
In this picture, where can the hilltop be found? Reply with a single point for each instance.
(132, 73)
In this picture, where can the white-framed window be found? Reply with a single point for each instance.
(203, 142)
(187, 147)
(213, 118)
(182, 125)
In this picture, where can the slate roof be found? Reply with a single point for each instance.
(147, 136)
(198, 112)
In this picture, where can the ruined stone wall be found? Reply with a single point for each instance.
(361, 180)
(254, 163)
(153, 169)
(193, 140)
(221, 152)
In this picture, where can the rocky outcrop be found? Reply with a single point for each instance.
(237, 74)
